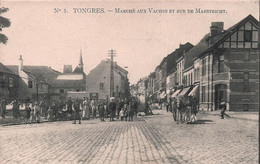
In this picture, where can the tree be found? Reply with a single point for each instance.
(4, 23)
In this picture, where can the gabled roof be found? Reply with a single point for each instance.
(4, 69)
(172, 58)
(195, 51)
(43, 73)
(225, 34)
(79, 70)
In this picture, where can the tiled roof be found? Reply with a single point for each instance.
(43, 73)
(5, 69)
(225, 34)
(171, 58)
(195, 51)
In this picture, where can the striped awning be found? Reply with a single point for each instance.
(194, 91)
(176, 93)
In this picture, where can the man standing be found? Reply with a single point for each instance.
(112, 108)
(76, 106)
(174, 108)
(69, 106)
(224, 107)
(37, 111)
(3, 104)
(15, 108)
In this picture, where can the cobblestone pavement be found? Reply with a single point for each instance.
(149, 139)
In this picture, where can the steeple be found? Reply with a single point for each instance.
(80, 61)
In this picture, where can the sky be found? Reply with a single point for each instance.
(141, 40)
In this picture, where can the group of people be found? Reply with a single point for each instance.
(73, 109)
(184, 109)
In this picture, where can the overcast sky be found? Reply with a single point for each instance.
(141, 41)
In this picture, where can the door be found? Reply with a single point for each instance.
(220, 94)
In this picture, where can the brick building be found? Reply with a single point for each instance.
(229, 68)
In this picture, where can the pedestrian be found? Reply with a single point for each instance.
(44, 108)
(50, 114)
(112, 109)
(118, 106)
(106, 110)
(69, 106)
(54, 110)
(101, 111)
(15, 108)
(87, 109)
(121, 113)
(223, 107)
(28, 113)
(76, 107)
(193, 110)
(3, 104)
(93, 108)
(37, 111)
(84, 108)
(174, 108)
(125, 110)
(188, 106)
(130, 111)
(32, 115)
(135, 106)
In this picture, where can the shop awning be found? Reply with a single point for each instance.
(184, 91)
(162, 95)
(176, 93)
(194, 92)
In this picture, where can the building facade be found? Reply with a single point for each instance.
(98, 81)
(230, 67)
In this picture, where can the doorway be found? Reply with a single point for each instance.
(220, 94)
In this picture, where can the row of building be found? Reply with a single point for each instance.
(223, 66)
(31, 83)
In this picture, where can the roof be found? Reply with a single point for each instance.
(225, 34)
(171, 58)
(43, 73)
(70, 77)
(195, 51)
(78, 70)
(5, 69)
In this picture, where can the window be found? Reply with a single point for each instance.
(248, 36)
(30, 84)
(203, 67)
(101, 86)
(246, 81)
(203, 94)
(61, 90)
(11, 82)
(220, 64)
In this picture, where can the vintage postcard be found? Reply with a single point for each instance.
(129, 81)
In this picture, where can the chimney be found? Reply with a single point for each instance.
(216, 28)
(20, 68)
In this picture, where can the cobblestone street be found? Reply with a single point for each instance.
(149, 139)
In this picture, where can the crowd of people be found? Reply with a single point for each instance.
(77, 109)
(184, 109)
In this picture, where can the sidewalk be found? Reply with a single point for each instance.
(253, 116)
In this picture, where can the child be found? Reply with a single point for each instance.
(50, 114)
(121, 113)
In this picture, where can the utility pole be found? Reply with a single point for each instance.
(111, 54)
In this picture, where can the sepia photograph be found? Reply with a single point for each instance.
(129, 82)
